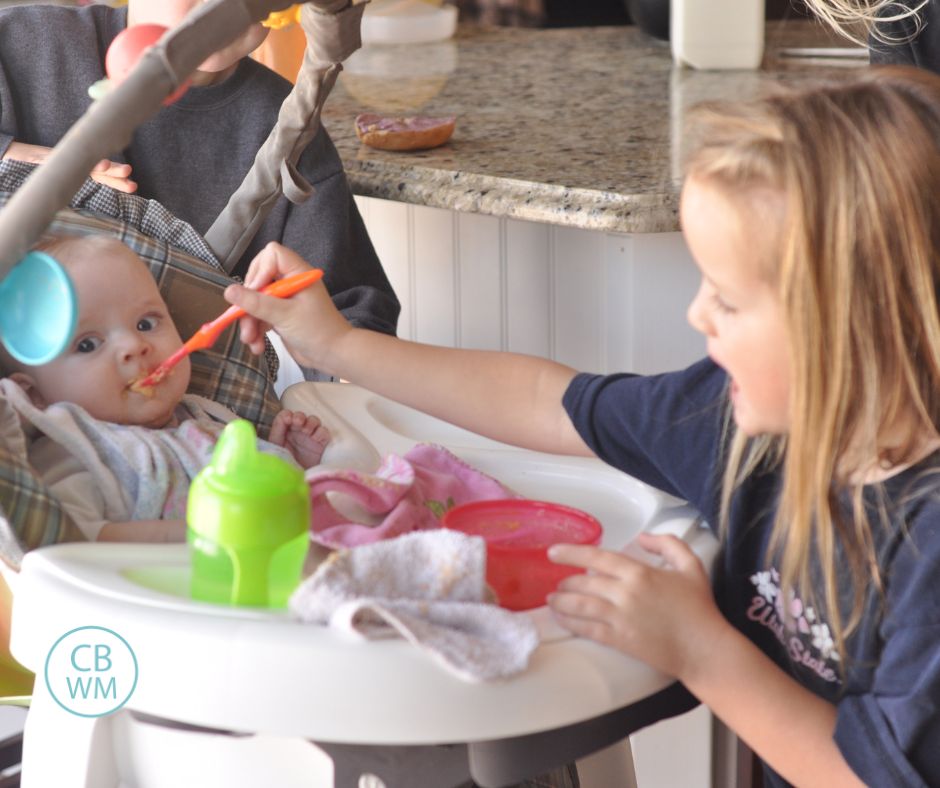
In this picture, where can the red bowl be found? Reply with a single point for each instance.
(518, 533)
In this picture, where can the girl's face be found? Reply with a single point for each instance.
(170, 13)
(737, 308)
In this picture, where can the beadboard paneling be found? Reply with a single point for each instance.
(480, 279)
(599, 302)
(529, 310)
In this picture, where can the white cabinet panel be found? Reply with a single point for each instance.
(578, 295)
(480, 284)
(529, 268)
(665, 278)
(434, 276)
(389, 225)
(620, 303)
(600, 302)
(651, 279)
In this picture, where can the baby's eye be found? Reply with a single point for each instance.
(88, 345)
(147, 323)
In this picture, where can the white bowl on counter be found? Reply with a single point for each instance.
(407, 22)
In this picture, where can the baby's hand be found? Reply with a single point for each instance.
(110, 173)
(302, 435)
(115, 175)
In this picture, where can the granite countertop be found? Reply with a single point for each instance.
(577, 127)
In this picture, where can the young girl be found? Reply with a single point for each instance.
(808, 438)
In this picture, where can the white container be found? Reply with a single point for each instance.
(407, 22)
(717, 34)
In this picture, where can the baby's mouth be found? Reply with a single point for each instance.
(139, 386)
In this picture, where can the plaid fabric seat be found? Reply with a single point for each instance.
(191, 281)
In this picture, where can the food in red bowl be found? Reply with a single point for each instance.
(518, 533)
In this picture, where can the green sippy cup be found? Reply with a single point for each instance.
(248, 518)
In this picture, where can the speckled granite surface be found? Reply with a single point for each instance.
(577, 127)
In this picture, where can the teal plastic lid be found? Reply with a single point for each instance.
(38, 309)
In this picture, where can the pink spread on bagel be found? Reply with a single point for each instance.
(404, 133)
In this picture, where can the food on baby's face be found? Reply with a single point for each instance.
(145, 384)
(138, 387)
(404, 133)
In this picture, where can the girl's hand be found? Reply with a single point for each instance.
(108, 172)
(662, 615)
(307, 322)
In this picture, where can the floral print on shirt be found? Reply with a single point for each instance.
(797, 626)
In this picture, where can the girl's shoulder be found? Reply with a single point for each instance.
(910, 551)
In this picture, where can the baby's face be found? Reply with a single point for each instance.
(124, 331)
(170, 13)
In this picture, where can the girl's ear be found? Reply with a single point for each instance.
(28, 384)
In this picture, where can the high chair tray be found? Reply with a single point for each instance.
(254, 670)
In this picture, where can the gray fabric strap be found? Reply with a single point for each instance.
(332, 30)
(110, 122)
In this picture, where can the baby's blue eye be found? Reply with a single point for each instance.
(88, 345)
(147, 324)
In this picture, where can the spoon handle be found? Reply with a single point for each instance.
(209, 332)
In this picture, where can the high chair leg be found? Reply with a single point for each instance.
(66, 750)
(442, 766)
(611, 767)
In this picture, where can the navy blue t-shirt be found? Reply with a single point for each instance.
(667, 431)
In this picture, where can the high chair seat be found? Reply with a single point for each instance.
(254, 681)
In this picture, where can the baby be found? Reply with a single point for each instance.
(120, 461)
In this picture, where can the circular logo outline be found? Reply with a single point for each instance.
(72, 632)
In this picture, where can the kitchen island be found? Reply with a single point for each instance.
(549, 223)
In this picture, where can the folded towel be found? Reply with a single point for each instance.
(409, 493)
(429, 587)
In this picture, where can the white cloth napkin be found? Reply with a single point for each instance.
(428, 587)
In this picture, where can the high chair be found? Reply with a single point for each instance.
(238, 696)
(230, 696)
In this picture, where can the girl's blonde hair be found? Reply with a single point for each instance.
(845, 16)
(858, 272)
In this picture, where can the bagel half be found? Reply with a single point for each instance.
(404, 133)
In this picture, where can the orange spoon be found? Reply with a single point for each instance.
(209, 332)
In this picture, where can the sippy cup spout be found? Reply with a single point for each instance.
(236, 451)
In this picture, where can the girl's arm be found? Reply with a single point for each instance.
(667, 617)
(512, 398)
(788, 726)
